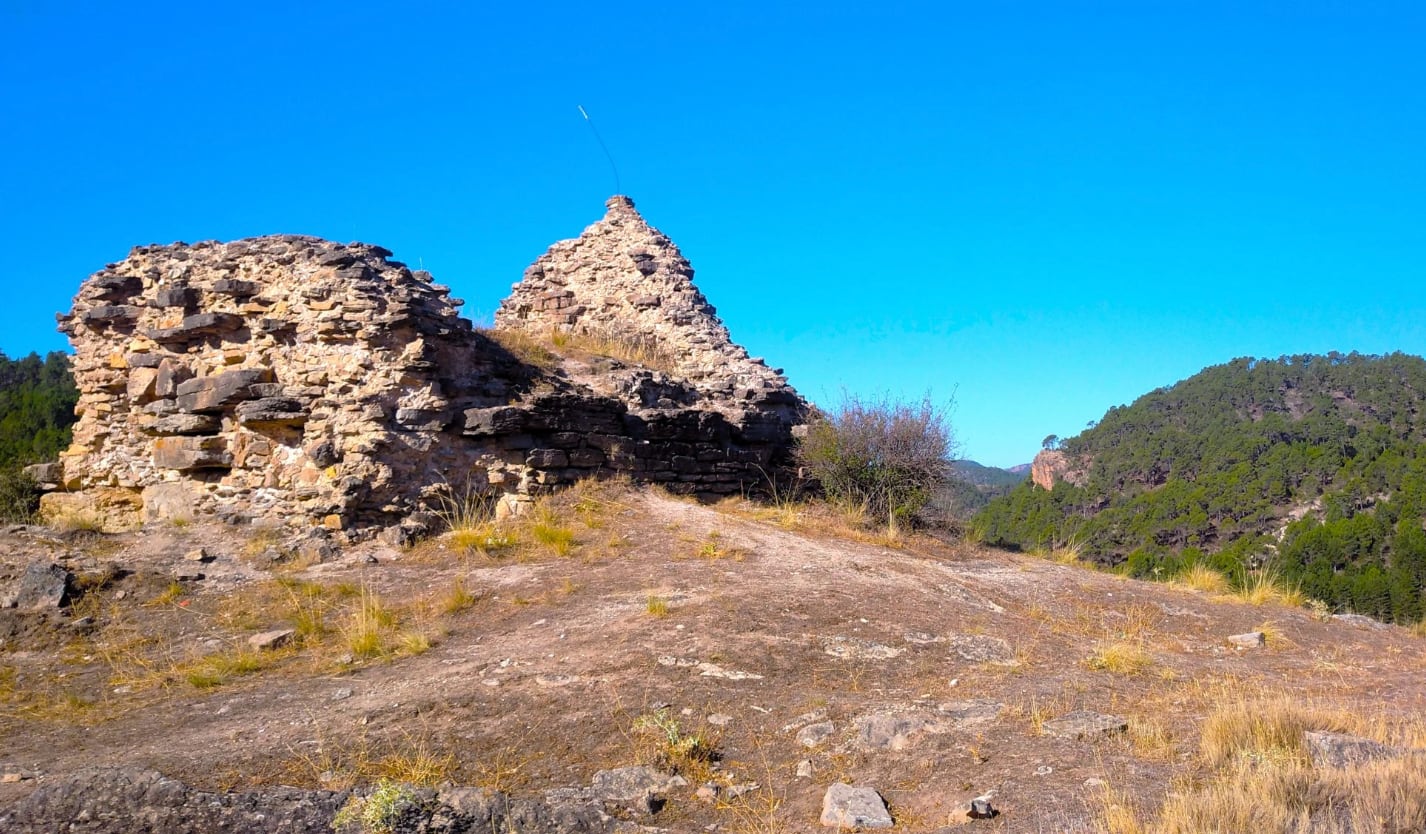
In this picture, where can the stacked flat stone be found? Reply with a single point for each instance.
(310, 382)
(265, 376)
(624, 279)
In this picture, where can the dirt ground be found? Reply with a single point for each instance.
(508, 664)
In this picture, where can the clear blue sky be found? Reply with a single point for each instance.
(1042, 209)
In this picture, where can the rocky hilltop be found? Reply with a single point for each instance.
(299, 380)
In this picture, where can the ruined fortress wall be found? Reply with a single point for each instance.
(310, 382)
(625, 279)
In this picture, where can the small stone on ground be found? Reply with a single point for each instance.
(844, 806)
(1085, 724)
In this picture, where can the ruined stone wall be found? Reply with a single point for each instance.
(624, 279)
(311, 382)
(267, 376)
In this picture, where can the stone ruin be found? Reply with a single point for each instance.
(301, 381)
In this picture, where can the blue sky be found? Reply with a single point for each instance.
(1039, 209)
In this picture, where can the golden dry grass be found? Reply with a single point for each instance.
(1200, 577)
(634, 348)
(1264, 587)
(526, 347)
(1256, 775)
(1120, 659)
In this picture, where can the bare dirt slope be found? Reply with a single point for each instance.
(932, 672)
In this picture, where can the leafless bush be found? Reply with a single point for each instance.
(882, 454)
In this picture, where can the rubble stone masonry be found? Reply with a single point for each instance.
(313, 383)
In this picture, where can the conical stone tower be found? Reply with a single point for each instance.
(622, 280)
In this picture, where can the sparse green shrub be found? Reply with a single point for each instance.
(379, 812)
(668, 746)
(887, 456)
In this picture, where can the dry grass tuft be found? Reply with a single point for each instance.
(1200, 577)
(662, 742)
(1121, 659)
(547, 530)
(1260, 778)
(1264, 587)
(657, 606)
(458, 598)
(217, 669)
(409, 758)
(634, 348)
(526, 347)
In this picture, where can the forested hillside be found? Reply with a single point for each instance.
(37, 398)
(1314, 466)
(971, 486)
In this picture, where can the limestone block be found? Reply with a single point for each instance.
(110, 314)
(197, 326)
(184, 453)
(268, 410)
(168, 501)
(487, 422)
(141, 385)
(183, 424)
(219, 391)
(845, 806)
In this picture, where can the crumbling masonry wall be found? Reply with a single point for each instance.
(310, 382)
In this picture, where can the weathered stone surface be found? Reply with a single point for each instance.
(855, 648)
(1360, 620)
(106, 313)
(639, 788)
(186, 453)
(813, 735)
(168, 501)
(43, 586)
(1329, 749)
(184, 424)
(1249, 640)
(844, 806)
(105, 800)
(47, 475)
(982, 648)
(1051, 466)
(199, 326)
(1084, 724)
(487, 422)
(893, 731)
(219, 391)
(271, 410)
(305, 381)
(971, 713)
(113, 800)
(269, 640)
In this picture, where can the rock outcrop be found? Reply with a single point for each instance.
(1051, 466)
(307, 381)
(118, 800)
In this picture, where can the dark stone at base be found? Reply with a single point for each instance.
(119, 800)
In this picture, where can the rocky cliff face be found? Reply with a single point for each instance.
(1052, 466)
(307, 381)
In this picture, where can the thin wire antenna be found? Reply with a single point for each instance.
(605, 148)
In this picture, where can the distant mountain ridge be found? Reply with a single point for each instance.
(991, 476)
(1312, 465)
(971, 486)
